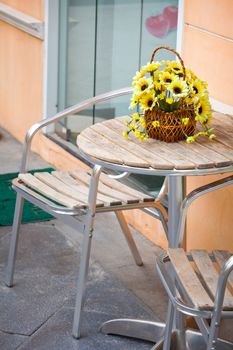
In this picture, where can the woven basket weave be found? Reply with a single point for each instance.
(171, 128)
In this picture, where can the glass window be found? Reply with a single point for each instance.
(102, 44)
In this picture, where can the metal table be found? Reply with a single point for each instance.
(104, 146)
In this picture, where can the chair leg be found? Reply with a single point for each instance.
(86, 250)
(180, 320)
(82, 278)
(169, 326)
(129, 238)
(213, 331)
(14, 240)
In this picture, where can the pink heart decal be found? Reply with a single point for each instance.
(157, 26)
(171, 15)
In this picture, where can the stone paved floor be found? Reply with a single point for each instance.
(37, 312)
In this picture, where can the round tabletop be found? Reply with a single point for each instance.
(104, 144)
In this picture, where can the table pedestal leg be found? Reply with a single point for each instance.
(144, 330)
(153, 332)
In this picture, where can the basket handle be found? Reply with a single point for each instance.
(175, 52)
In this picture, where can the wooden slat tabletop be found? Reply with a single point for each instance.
(104, 141)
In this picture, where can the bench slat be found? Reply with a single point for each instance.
(119, 186)
(83, 187)
(47, 191)
(210, 275)
(71, 191)
(221, 257)
(80, 175)
(194, 290)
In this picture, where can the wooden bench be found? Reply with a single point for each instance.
(198, 285)
(71, 189)
(198, 274)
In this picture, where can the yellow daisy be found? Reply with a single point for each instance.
(175, 67)
(161, 96)
(203, 111)
(165, 63)
(185, 121)
(156, 77)
(169, 100)
(198, 88)
(157, 83)
(190, 76)
(143, 122)
(138, 75)
(148, 101)
(134, 101)
(143, 84)
(212, 136)
(189, 100)
(190, 139)
(137, 133)
(151, 67)
(167, 78)
(178, 88)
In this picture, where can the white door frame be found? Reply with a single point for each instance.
(51, 45)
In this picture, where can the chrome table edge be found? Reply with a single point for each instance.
(154, 171)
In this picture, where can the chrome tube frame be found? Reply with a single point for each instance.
(209, 332)
(65, 113)
(198, 192)
(119, 176)
(163, 191)
(86, 250)
(220, 291)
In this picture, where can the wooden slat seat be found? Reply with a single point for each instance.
(71, 189)
(197, 276)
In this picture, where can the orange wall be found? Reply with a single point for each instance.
(210, 218)
(150, 227)
(21, 71)
(34, 8)
(208, 44)
(212, 15)
(208, 50)
(55, 154)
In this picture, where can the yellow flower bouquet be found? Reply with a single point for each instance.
(174, 102)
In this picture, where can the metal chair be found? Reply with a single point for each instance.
(203, 288)
(75, 197)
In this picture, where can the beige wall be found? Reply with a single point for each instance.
(21, 71)
(208, 50)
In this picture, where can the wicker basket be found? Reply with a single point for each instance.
(171, 128)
